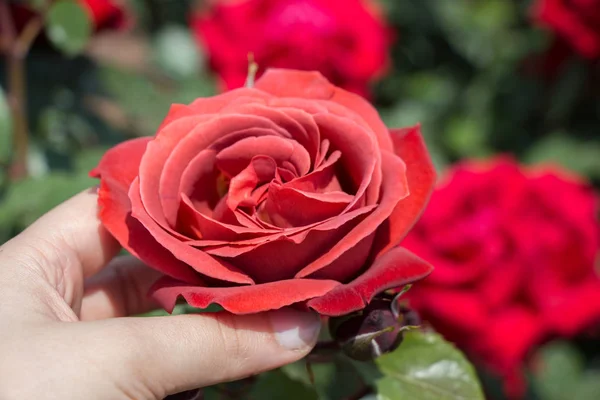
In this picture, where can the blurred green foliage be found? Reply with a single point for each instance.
(68, 26)
(469, 70)
(561, 373)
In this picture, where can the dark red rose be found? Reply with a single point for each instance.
(104, 14)
(110, 14)
(293, 191)
(575, 21)
(345, 40)
(514, 251)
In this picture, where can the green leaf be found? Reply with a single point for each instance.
(559, 366)
(277, 385)
(368, 371)
(68, 26)
(466, 137)
(587, 388)
(426, 367)
(336, 380)
(574, 154)
(5, 129)
(87, 159)
(145, 102)
(176, 52)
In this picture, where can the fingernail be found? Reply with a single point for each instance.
(295, 330)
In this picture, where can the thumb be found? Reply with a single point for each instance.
(166, 355)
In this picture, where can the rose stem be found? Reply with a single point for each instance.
(17, 48)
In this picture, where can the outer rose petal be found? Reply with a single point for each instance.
(444, 305)
(572, 310)
(313, 85)
(117, 169)
(107, 14)
(420, 173)
(396, 268)
(242, 299)
(568, 19)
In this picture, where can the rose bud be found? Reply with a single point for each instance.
(378, 329)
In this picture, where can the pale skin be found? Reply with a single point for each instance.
(66, 330)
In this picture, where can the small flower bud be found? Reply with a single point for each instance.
(376, 330)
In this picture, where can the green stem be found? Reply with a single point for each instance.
(17, 46)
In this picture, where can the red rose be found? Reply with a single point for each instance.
(514, 252)
(110, 14)
(345, 40)
(575, 21)
(104, 14)
(293, 191)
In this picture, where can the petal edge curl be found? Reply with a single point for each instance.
(396, 268)
(241, 299)
(421, 177)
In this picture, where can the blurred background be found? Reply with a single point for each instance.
(518, 78)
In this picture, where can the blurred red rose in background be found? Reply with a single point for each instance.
(345, 40)
(104, 14)
(514, 251)
(575, 21)
(290, 192)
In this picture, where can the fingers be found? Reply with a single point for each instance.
(177, 353)
(65, 245)
(119, 290)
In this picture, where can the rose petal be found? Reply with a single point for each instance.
(509, 336)
(360, 156)
(117, 170)
(297, 123)
(196, 259)
(168, 173)
(260, 170)
(393, 190)
(464, 311)
(281, 256)
(288, 207)
(153, 160)
(293, 83)
(199, 182)
(322, 179)
(420, 174)
(296, 235)
(568, 311)
(349, 264)
(313, 85)
(207, 228)
(242, 299)
(235, 158)
(396, 268)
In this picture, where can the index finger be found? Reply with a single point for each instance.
(66, 245)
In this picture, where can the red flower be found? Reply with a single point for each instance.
(575, 21)
(345, 40)
(514, 252)
(290, 192)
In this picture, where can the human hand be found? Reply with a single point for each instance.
(65, 331)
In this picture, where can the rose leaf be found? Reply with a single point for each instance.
(68, 26)
(426, 367)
